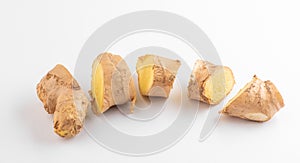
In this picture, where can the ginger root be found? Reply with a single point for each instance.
(156, 75)
(112, 83)
(210, 83)
(257, 101)
(62, 96)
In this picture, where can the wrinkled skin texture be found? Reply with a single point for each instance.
(257, 101)
(70, 112)
(48, 88)
(164, 72)
(202, 73)
(62, 96)
(118, 86)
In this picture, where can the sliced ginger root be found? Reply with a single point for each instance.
(63, 97)
(257, 101)
(112, 83)
(156, 75)
(210, 83)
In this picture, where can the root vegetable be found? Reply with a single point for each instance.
(156, 75)
(62, 96)
(70, 112)
(210, 83)
(112, 83)
(257, 101)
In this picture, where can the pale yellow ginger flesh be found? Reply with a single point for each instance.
(156, 75)
(210, 83)
(257, 101)
(62, 96)
(112, 83)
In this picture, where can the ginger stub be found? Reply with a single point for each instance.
(210, 83)
(63, 97)
(257, 101)
(112, 83)
(156, 75)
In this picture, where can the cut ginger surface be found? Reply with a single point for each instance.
(210, 83)
(156, 75)
(112, 83)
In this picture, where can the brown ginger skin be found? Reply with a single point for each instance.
(118, 85)
(70, 112)
(257, 101)
(207, 77)
(163, 73)
(200, 73)
(63, 97)
(163, 79)
(48, 88)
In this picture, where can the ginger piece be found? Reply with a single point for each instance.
(210, 83)
(257, 101)
(58, 77)
(156, 75)
(70, 112)
(62, 96)
(112, 83)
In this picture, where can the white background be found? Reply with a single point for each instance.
(252, 37)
